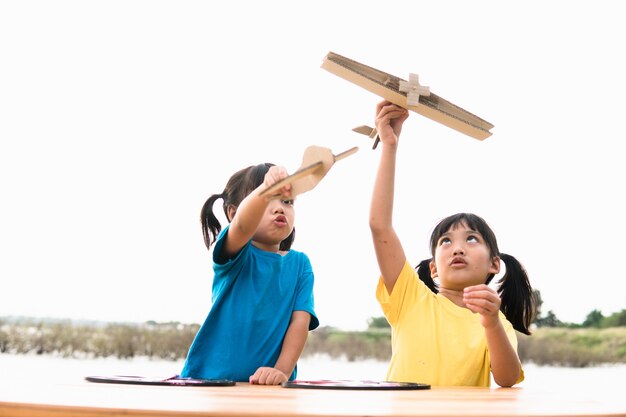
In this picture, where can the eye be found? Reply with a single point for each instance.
(287, 202)
(444, 241)
(472, 238)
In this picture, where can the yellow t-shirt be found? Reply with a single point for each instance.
(433, 340)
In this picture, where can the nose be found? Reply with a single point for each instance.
(278, 207)
(459, 251)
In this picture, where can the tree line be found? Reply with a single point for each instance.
(598, 339)
(559, 346)
(595, 318)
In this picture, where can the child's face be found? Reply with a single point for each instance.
(276, 224)
(462, 258)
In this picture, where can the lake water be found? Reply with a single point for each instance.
(23, 367)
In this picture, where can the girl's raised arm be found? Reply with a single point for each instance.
(389, 251)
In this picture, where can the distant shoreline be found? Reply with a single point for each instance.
(170, 341)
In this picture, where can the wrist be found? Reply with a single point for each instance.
(390, 146)
(283, 371)
(492, 324)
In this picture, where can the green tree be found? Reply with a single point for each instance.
(615, 320)
(594, 319)
(550, 320)
(377, 323)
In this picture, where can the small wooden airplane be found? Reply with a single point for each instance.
(316, 162)
(408, 94)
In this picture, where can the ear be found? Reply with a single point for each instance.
(495, 265)
(433, 270)
(232, 210)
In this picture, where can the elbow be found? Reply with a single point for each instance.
(507, 381)
(377, 227)
(373, 224)
(505, 384)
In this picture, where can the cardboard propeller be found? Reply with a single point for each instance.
(316, 162)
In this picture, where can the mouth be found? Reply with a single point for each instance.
(280, 221)
(457, 262)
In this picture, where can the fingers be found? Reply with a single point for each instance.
(387, 105)
(389, 120)
(381, 104)
(275, 174)
(267, 376)
(482, 306)
(481, 299)
(386, 111)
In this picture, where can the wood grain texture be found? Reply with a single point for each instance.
(81, 398)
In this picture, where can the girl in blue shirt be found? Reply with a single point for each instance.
(262, 290)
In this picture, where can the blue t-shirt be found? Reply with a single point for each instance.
(254, 295)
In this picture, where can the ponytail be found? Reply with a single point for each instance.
(211, 226)
(423, 272)
(516, 294)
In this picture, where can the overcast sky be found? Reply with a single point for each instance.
(119, 118)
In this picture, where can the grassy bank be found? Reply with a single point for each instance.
(573, 347)
(547, 346)
(96, 340)
(351, 345)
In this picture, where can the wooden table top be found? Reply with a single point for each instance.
(81, 398)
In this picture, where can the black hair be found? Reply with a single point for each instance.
(240, 184)
(516, 295)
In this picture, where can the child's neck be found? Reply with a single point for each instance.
(456, 296)
(269, 248)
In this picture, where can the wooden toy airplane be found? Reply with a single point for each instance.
(408, 94)
(316, 162)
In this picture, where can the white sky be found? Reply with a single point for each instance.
(119, 118)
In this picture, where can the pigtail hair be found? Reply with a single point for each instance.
(211, 226)
(423, 271)
(516, 294)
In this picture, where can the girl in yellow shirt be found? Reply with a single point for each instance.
(460, 331)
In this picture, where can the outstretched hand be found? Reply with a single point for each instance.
(275, 174)
(485, 301)
(389, 120)
(268, 376)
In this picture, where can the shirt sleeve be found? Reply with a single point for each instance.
(407, 289)
(225, 272)
(304, 293)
